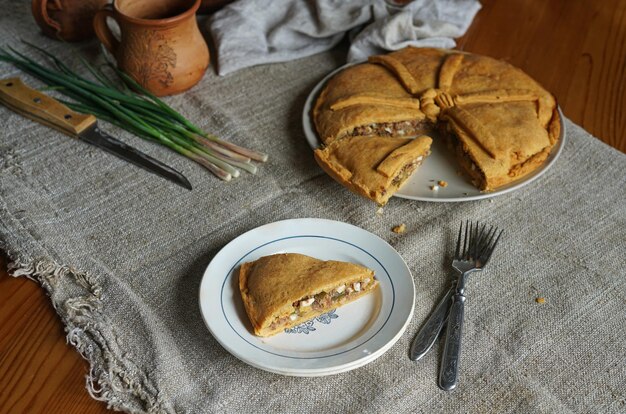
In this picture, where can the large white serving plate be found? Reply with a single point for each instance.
(439, 165)
(341, 340)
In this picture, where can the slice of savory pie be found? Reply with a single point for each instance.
(284, 290)
(375, 167)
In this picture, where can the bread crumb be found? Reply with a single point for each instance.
(442, 183)
(379, 211)
(401, 228)
(434, 187)
(540, 300)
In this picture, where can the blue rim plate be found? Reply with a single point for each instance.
(341, 340)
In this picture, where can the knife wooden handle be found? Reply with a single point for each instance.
(42, 108)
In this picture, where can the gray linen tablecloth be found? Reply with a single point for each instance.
(121, 254)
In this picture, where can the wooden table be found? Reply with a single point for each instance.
(574, 48)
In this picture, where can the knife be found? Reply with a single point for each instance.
(428, 333)
(50, 112)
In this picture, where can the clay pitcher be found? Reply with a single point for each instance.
(68, 20)
(160, 44)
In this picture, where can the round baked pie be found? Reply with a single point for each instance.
(500, 123)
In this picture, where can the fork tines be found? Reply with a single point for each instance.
(476, 242)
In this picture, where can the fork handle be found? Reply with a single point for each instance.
(449, 374)
(428, 333)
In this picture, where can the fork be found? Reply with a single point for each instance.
(470, 256)
(430, 330)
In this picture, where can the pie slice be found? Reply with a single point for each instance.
(375, 167)
(377, 98)
(367, 100)
(284, 290)
(491, 149)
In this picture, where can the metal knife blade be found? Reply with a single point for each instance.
(48, 111)
(95, 136)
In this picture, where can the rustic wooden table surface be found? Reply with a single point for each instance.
(574, 48)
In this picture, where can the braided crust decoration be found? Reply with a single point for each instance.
(499, 121)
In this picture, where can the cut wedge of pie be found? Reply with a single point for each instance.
(375, 167)
(284, 290)
(499, 122)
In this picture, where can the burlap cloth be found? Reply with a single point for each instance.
(121, 254)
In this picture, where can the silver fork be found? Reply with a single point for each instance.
(471, 256)
(430, 330)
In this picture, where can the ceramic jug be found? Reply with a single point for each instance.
(68, 20)
(159, 44)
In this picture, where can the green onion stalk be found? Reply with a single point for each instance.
(130, 106)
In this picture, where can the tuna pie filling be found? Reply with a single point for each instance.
(324, 301)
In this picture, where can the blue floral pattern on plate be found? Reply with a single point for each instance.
(307, 327)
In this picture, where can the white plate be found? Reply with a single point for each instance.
(344, 339)
(439, 165)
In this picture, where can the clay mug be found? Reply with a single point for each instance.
(68, 20)
(160, 44)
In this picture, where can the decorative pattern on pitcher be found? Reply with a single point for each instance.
(151, 57)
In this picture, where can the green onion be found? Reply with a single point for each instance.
(130, 106)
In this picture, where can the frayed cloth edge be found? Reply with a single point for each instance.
(109, 379)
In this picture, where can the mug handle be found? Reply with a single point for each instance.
(102, 29)
(40, 9)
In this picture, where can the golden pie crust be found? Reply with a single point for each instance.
(273, 286)
(499, 121)
(374, 167)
